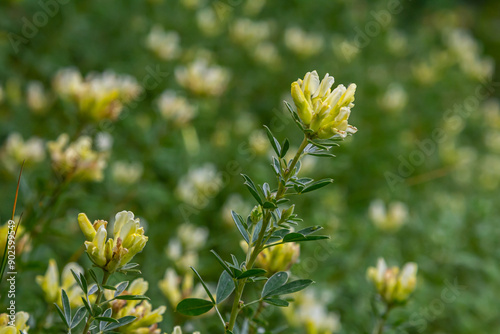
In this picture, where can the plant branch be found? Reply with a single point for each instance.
(259, 244)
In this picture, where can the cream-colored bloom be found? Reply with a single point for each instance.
(392, 284)
(278, 258)
(51, 285)
(38, 100)
(22, 239)
(267, 54)
(390, 219)
(77, 160)
(165, 44)
(16, 151)
(203, 79)
(248, 33)
(209, 22)
(176, 288)
(147, 318)
(176, 108)
(112, 254)
(200, 185)
(20, 323)
(322, 110)
(126, 173)
(302, 43)
(178, 330)
(394, 99)
(309, 311)
(100, 95)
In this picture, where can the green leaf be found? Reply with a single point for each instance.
(310, 230)
(93, 289)
(132, 297)
(78, 281)
(204, 285)
(194, 306)
(121, 322)
(222, 262)
(87, 305)
(106, 319)
(61, 314)
(256, 231)
(277, 302)
(316, 185)
(79, 315)
(120, 288)
(225, 287)
(252, 189)
(274, 282)
(252, 272)
(274, 142)
(297, 237)
(93, 275)
(285, 147)
(269, 205)
(291, 287)
(109, 287)
(294, 116)
(66, 306)
(240, 224)
(322, 154)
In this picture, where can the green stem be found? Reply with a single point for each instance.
(379, 326)
(259, 243)
(97, 301)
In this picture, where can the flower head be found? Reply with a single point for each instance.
(322, 110)
(392, 284)
(51, 285)
(146, 320)
(77, 160)
(203, 79)
(19, 324)
(278, 258)
(112, 254)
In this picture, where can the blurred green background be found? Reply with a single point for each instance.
(427, 111)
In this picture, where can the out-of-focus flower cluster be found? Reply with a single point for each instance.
(77, 160)
(16, 150)
(147, 318)
(201, 78)
(99, 95)
(165, 44)
(16, 326)
(200, 185)
(175, 108)
(309, 312)
(393, 284)
(388, 219)
(51, 285)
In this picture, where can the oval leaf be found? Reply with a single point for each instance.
(291, 287)
(194, 306)
(225, 287)
(274, 282)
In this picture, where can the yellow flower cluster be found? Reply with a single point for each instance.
(112, 254)
(77, 160)
(393, 284)
(17, 150)
(278, 258)
(203, 79)
(322, 110)
(176, 288)
(147, 318)
(99, 95)
(21, 318)
(51, 285)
